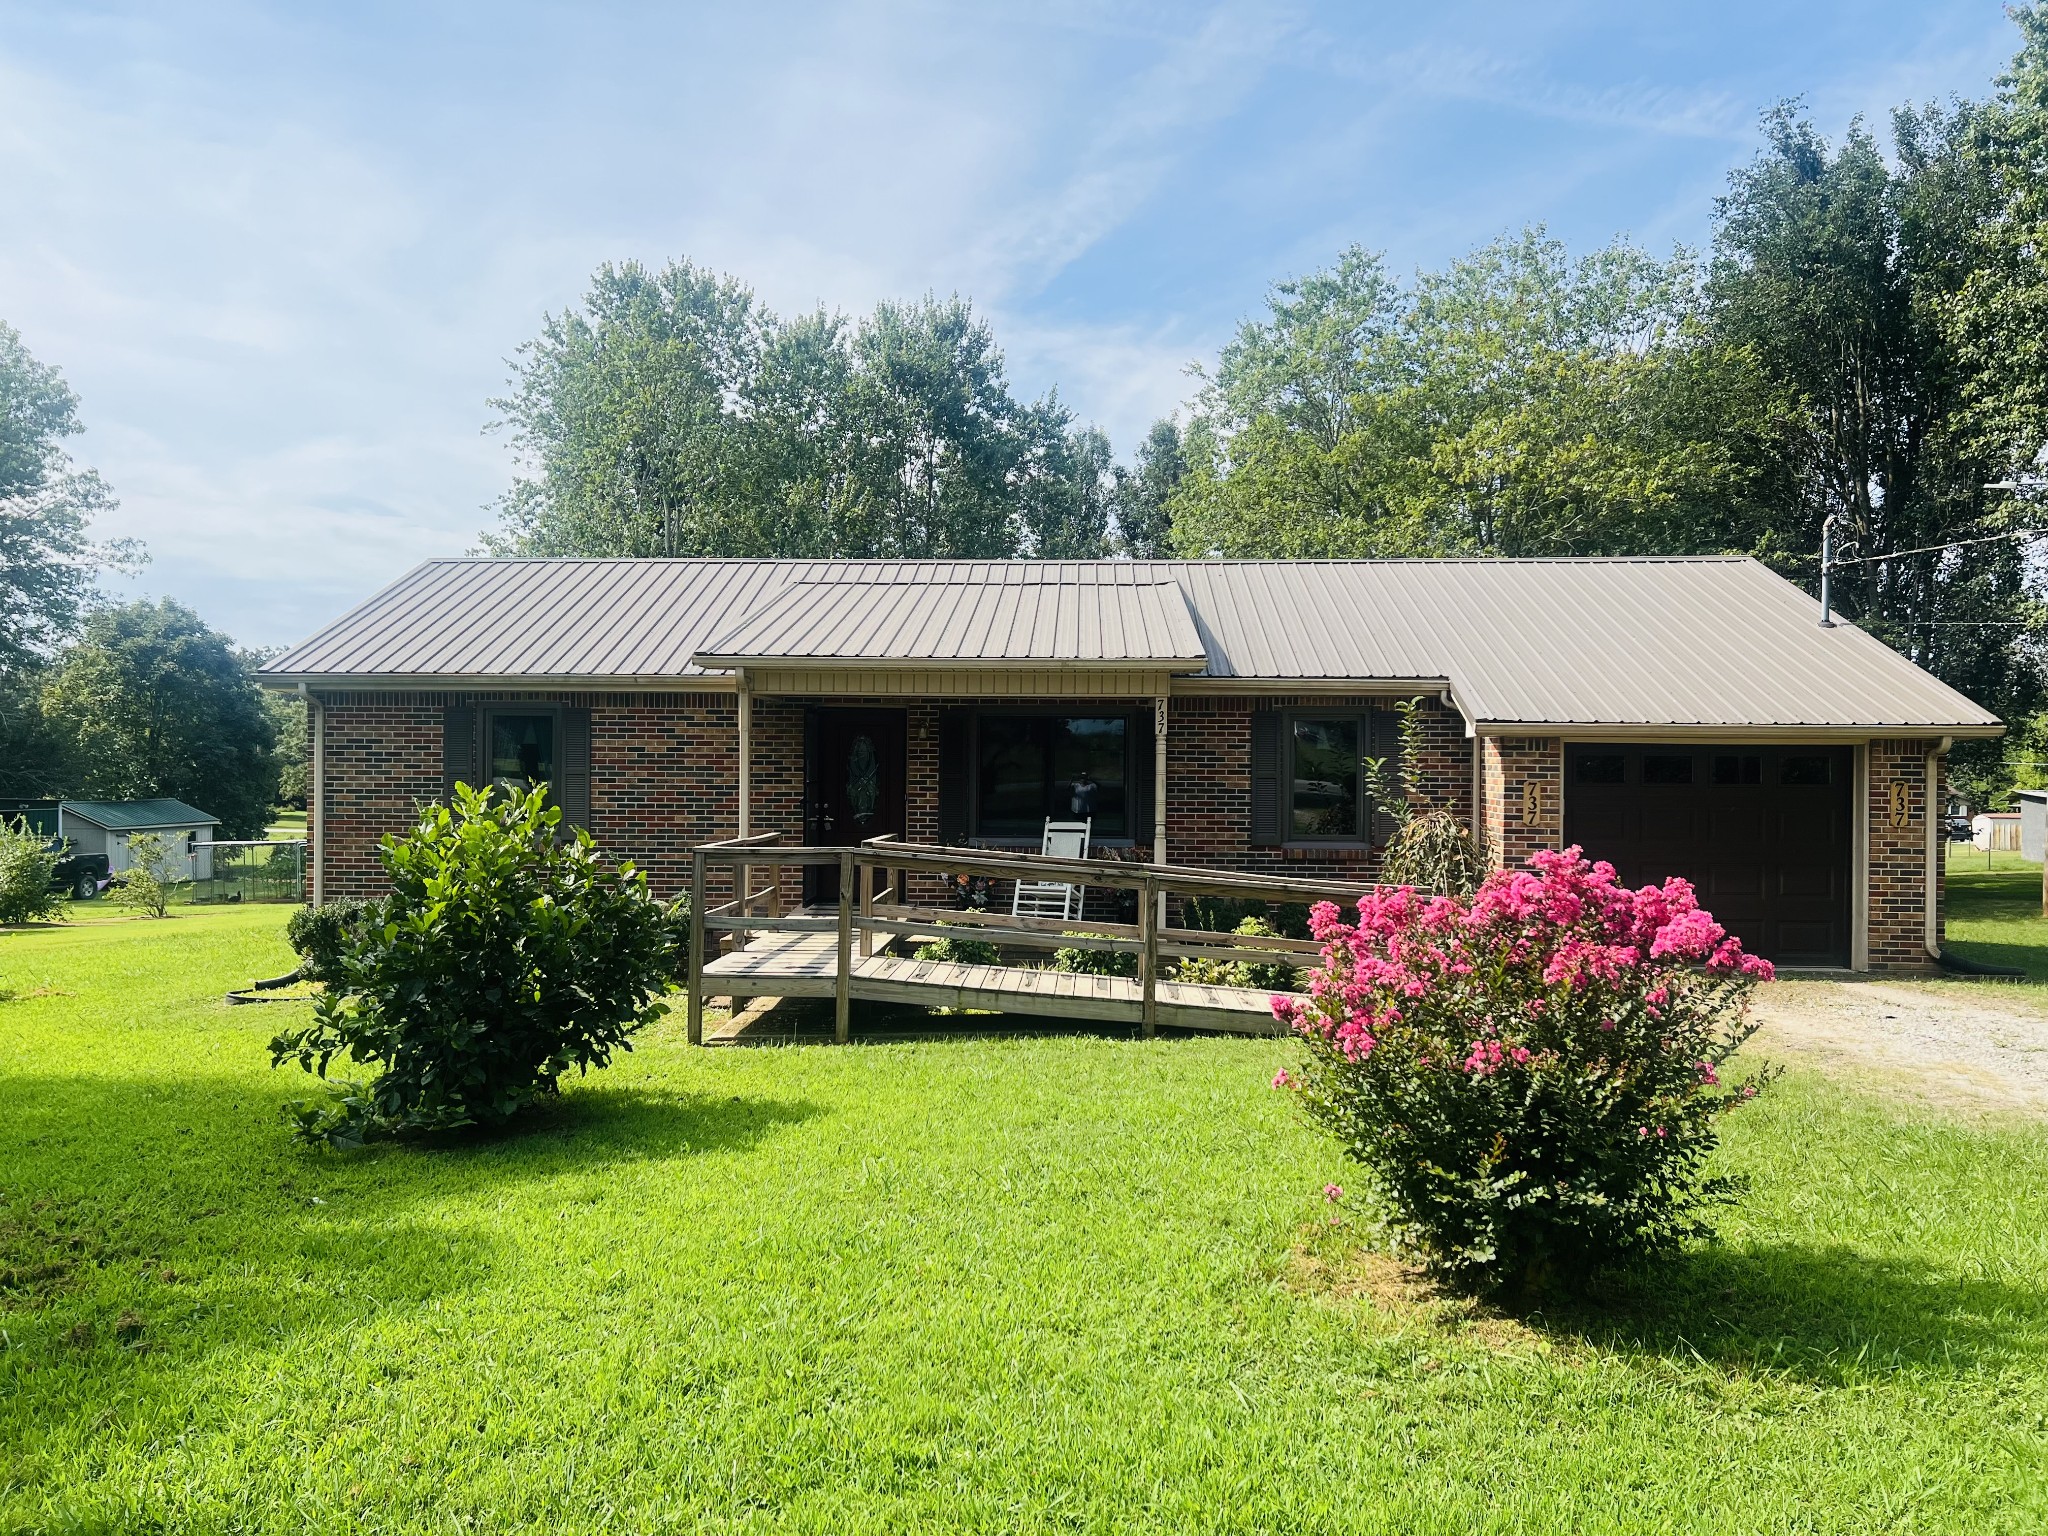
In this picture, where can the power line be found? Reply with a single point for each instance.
(1930, 549)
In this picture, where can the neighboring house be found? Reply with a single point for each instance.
(1677, 716)
(104, 826)
(2033, 823)
(1995, 832)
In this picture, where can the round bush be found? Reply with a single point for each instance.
(504, 957)
(1530, 1076)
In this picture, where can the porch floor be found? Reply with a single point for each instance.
(802, 965)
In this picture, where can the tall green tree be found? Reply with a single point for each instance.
(48, 560)
(1515, 403)
(671, 414)
(1144, 493)
(1998, 314)
(1837, 268)
(151, 702)
(625, 417)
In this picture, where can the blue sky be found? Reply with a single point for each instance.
(282, 253)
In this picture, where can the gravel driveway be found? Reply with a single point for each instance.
(1939, 1043)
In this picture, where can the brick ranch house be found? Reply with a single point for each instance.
(1676, 716)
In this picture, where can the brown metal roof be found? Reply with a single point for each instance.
(1627, 642)
(997, 614)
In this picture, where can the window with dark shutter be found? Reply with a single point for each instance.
(1266, 787)
(956, 791)
(1385, 728)
(572, 793)
(458, 749)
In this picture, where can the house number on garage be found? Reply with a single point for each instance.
(1901, 811)
(1532, 804)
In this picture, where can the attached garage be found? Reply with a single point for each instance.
(1765, 833)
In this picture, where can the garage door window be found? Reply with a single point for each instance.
(1803, 770)
(1747, 768)
(1602, 768)
(1666, 769)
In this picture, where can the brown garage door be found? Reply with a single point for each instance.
(1763, 833)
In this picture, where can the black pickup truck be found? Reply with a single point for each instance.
(83, 875)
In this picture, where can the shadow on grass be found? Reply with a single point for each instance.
(166, 1220)
(1825, 1315)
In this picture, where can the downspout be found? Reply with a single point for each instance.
(1932, 916)
(1159, 719)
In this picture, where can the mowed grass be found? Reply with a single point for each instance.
(1994, 911)
(1046, 1284)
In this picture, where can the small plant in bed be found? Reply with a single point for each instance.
(1093, 962)
(1259, 975)
(1531, 1076)
(505, 956)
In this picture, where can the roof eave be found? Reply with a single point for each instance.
(1652, 730)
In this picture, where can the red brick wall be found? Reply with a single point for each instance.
(1209, 786)
(664, 776)
(1522, 784)
(1898, 855)
(665, 769)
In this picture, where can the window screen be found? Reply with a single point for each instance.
(1326, 789)
(522, 751)
(1031, 768)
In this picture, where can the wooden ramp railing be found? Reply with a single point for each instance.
(778, 953)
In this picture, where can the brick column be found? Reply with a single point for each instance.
(1521, 790)
(1898, 811)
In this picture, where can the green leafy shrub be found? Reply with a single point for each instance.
(322, 935)
(1430, 850)
(1223, 914)
(504, 957)
(1094, 962)
(26, 869)
(149, 882)
(1531, 1076)
(1258, 975)
(960, 950)
(1433, 851)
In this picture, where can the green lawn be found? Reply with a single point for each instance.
(1994, 912)
(991, 1285)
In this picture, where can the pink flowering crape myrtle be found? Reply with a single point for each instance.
(1532, 1075)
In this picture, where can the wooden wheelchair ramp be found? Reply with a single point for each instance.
(806, 965)
(845, 954)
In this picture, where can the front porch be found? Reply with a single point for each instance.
(845, 953)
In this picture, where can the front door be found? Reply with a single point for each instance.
(853, 784)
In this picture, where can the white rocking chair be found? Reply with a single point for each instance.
(1055, 898)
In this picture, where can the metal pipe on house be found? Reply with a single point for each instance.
(1827, 565)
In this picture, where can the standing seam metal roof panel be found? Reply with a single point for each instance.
(1696, 641)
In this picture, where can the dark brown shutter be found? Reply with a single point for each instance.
(1383, 732)
(1266, 770)
(458, 749)
(955, 775)
(574, 793)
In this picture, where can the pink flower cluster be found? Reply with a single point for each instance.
(1562, 938)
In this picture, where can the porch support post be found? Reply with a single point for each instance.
(1159, 717)
(746, 697)
(842, 983)
(744, 873)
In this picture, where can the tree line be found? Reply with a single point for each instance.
(1866, 339)
(116, 702)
